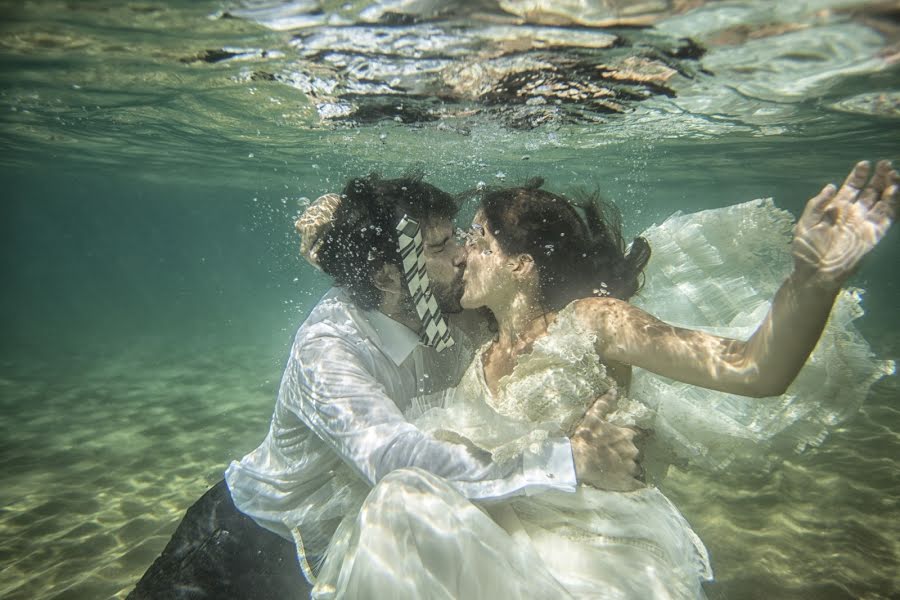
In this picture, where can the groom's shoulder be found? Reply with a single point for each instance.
(334, 315)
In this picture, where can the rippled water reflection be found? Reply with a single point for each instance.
(206, 85)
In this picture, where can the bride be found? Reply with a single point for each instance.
(557, 280)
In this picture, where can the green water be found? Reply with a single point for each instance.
(151, 283)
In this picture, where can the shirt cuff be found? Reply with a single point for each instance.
(550, 465)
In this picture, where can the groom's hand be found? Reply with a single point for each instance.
(313, 224)
(605, 455)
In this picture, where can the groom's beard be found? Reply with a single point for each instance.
(448, 295)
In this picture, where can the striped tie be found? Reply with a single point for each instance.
(435, 333)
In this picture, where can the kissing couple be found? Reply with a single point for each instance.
(459, 416)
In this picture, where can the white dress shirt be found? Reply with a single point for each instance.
(341, 423)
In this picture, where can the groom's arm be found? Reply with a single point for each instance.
(333, 391)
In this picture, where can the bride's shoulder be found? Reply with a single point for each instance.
(598, 309)
(607, 320)
(606, 317)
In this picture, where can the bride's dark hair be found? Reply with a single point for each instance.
(577, 247)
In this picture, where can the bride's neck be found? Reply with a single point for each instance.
(516, 319)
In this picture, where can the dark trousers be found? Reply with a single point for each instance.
(217, 552)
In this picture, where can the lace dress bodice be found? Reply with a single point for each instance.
(543, 386)
(547, 393)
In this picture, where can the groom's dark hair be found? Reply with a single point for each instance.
(363, 237)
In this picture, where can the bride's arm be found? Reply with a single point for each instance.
(836, 230)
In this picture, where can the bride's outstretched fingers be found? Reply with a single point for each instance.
(840, 226)
(880, 182)
(888, 201)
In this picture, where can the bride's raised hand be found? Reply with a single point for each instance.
(840, 226)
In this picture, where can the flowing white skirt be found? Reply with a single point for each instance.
(416, 537)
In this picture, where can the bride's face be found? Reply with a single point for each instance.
(487, 280)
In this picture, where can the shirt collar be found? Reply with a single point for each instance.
(396, 340)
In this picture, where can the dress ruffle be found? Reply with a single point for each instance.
(718, 270)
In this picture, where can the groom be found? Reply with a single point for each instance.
(377, 349)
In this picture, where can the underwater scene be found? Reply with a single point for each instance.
(154, 157)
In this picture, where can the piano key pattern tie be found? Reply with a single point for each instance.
(435, 334)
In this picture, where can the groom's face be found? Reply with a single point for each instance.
(445, 262)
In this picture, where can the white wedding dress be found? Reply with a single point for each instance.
(416, 537)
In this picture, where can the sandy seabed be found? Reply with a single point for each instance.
(101, 457)
(100, 460)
